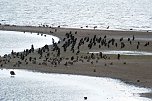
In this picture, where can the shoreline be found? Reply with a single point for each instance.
(134, 70)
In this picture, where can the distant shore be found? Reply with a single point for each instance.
(71, 54)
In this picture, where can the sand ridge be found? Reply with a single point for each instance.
(71, 54)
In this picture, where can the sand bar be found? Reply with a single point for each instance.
(132, 69)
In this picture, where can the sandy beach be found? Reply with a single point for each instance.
(71, 54)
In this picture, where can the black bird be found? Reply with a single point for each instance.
(12, 72)
(85, 98)
(118, 57)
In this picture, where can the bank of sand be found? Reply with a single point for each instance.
(131, 69)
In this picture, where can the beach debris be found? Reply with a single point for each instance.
(12, 73)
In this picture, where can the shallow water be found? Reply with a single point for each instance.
(125, 52)
(33, 86)
(118, 14)
(19, 41)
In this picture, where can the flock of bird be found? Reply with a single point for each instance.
(68, 51)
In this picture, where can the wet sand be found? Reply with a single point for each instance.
(71, 55)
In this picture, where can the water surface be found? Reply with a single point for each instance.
(124, 52)
(29, 86)
(19, 41)
(118, 14)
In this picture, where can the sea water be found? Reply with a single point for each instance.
(118, 14)
(19, 41)
(34, 86)
(121, 52)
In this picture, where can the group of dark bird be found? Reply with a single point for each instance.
(72, 46)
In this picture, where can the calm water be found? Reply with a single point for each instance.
(118, 14)
(125, 52)
(19, 41)
(29, 86)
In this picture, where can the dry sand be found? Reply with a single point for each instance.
(135, 70)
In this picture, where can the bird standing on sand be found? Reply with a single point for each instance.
(12, 72)
(118, 57)
(95, 27)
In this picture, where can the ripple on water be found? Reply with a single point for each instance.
(118, 14)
